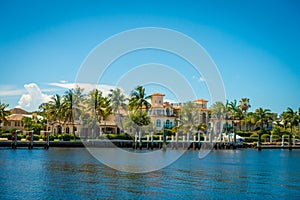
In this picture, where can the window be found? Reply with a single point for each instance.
(159, 101)
(67, 130)
(168, 124)
(168, 111)
(158, 123)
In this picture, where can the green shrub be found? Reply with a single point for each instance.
(13, 130)
(251, 139)
(36, 137)
(244, 134)
(156, 137)
(21, 136)
(3, 130)
(276, 138)
(265, 137)
(122, 136)
(254, 136)
(6, 135)
(67, 137)
(60, 136)
(52, 137)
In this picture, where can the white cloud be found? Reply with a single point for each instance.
(200, 79)
(33, 98)
(86, 86)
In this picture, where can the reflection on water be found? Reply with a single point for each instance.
(73, 173)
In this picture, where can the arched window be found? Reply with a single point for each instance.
(158, 123)
(168, 112)
(168, 124)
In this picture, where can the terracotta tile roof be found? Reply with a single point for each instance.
(200, 101)
(157, 94)
(18, 111)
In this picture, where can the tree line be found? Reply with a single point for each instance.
(93, 108)
(260, 119)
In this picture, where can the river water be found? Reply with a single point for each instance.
(70, 173)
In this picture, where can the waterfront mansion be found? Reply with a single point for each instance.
(163, 114)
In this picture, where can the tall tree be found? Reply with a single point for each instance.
(72, 100)
(189, 118)
(117, 102)
(104, 110)
(235, 113)
(292, 118)
(263, 116)
(139, 106)
(3, 112)
(138, 99)
(93, 101)
(244, 106)
(251, 120)
(53, 110)
(218, 109)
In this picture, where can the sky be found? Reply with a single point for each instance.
(255, 46)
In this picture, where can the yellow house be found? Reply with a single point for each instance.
(161, 113)
(14, 120)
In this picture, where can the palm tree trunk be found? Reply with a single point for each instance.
(290, 138)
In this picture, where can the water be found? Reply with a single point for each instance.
(61, 173)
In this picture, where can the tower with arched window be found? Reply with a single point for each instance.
(161, 113)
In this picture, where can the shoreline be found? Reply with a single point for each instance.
(145, 145)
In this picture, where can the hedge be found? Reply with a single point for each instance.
(122, 136)
(251, 139)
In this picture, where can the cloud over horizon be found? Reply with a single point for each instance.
(33, 98)
(86, 86)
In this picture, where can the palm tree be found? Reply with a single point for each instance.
(68, 107)
(117, 102)
(235, 113)
(263, 116)
(3, 112)
(293, 120)
(53, 110)
(244, 106)
(104, 110)
(251, 120)
(138, 100)
(218, 109)
(139, 106)
(71, 106)
(93, 101)
(189, 118)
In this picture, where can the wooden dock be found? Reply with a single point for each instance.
(151, 145)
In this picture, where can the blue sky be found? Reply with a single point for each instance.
(255, 45)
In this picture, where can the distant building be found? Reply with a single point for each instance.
(14, 120)
(161, 113)
(204, 113)
(165, 114)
